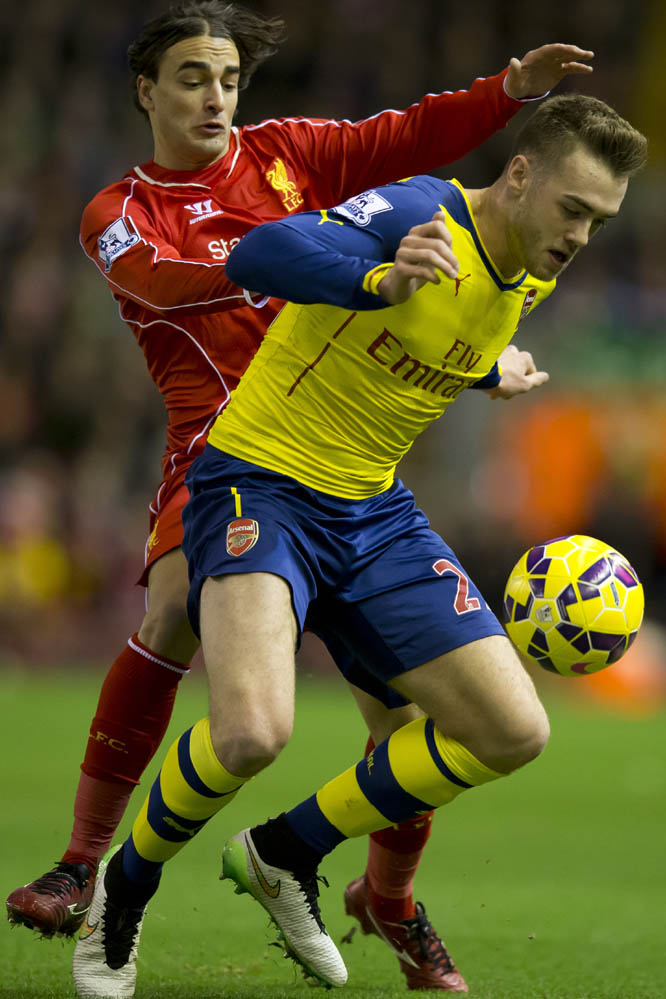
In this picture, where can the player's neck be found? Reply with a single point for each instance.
(491, 222)
(185, 158)
(184, 164)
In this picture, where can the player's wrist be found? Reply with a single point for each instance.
(521, 100)
(374, 277)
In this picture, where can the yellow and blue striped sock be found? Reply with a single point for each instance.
(189, 789)
(415, 770)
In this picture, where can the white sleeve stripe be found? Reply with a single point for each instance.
(172, 260)
(346, 121)
(171, 308)
(131, 193)
(204, 430)
(181, 329)
(156, 257)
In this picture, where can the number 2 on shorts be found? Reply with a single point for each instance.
(462, 604)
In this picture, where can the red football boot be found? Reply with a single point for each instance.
(54, 904)
(424, 960)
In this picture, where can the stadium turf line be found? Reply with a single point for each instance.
(548, 885)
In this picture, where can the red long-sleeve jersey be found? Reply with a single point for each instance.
(160, 238)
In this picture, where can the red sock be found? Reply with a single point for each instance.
(98, 808)
(133, 713)
(393, 857)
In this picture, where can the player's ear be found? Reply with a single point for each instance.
(518, 174)
(144, 89)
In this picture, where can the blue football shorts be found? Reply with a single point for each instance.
(369, 577)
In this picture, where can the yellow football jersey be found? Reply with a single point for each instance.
(335, 398)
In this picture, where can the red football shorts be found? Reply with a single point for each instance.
(166, 526)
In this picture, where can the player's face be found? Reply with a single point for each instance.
(192, 103)
(559, 211)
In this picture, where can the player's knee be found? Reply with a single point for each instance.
(523, 740)
(533, 740)
(248, 749)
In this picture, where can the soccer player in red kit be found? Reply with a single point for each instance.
(160, 237)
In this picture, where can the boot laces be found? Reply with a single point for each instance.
(310, 888)
(60, 881)
(431, 946)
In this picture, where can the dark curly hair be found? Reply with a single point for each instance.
(255, 37)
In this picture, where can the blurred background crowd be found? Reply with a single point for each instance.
(81, 424)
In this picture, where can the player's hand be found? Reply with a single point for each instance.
(423, 254)
(541, 69)
(519, 374)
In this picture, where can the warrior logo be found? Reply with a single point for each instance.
(277, 178)
(203, 210)
(527, 303)
(242, 535)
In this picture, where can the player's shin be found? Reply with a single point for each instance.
(416, 769)
(191, 787)
(382, 904)
(133, 712)
(394, 855)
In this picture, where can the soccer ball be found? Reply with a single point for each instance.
(574, 605)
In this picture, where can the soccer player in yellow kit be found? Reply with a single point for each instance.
(296, 515)
(151, 237)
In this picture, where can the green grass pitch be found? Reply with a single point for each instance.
(548, 885)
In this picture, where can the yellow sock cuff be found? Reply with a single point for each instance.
(461, 762)
(418, 768)
(191, 787)
(431, 766)
(210, 770)
(192, 776)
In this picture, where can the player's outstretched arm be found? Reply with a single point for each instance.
(329, 257)
(519, 374)
(423, 253)
(542, 69)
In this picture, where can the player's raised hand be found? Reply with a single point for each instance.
(423, 252)
(519, 374)
(541, 69)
